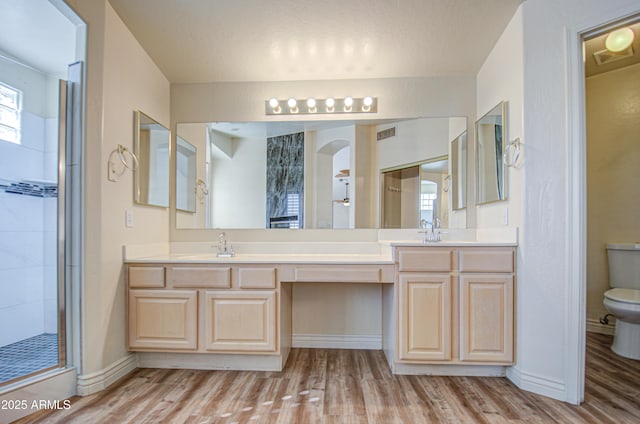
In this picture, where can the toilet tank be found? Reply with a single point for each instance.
(624, 265)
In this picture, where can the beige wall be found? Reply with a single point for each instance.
(121, 78)
(500, 79)
(613, 173)
(337, 309)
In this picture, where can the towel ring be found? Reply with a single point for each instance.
(512, 153)
(115, 172)
(121, 152)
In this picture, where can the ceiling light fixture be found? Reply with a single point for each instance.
(312, 105)
(619, 40)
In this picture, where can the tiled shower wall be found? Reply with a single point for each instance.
(28, 298)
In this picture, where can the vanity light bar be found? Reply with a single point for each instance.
(311, 105)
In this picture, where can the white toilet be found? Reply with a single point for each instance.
(623, 300)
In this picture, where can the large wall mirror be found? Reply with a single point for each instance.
(151, 147)
(312, 175)
(490, 145)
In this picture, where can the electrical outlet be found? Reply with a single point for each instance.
(128, 218)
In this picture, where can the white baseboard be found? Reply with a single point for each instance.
(545, 386)
(100, 380)
(594, 326)
(336, 341)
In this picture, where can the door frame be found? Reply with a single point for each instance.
(576, 234)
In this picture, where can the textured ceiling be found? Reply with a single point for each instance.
(283, 40)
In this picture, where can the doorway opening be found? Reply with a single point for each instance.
(612, 97)
(39, 51)
(612, 122)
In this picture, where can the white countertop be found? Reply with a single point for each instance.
(210, 258)
(288, 253)
(459, 243)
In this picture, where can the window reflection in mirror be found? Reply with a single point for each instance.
(341, 160)
(152, 150)
(490, 142)
(186, 174)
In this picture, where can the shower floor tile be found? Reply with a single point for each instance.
(28, 355)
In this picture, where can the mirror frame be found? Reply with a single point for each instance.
(501, 179)
(137, 177)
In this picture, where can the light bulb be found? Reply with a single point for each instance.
(348, 101)
(273, 102)
(619, 39)
(292, 103)
(330, 102)
(311, 103)
(367, 101)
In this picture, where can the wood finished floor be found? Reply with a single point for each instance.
(352, 386)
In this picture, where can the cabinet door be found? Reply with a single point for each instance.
(163, 319)
(486, 318)
(240, 321)
(424, 312)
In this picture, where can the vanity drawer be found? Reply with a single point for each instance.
(340, 274)
(257, 278)
(146, 276)
(429, 259)
(486, 260)
(200, 276)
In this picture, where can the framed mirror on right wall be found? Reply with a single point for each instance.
(491, 134)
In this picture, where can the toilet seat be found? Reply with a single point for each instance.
(624, 295)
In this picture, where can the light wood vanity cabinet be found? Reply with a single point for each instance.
(163, 319)
(486, 318)
(424, 321)
(455, 305)
(240, 321)
(203, 308)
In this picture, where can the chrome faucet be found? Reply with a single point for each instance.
(430, 234)
(224, 250)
